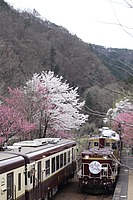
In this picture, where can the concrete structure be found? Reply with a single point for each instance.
(124, 187)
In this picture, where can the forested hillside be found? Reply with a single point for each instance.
(29, 44)
(118, 61)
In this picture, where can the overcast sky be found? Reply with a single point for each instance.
(93, 21)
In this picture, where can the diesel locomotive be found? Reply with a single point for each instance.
(100, 162)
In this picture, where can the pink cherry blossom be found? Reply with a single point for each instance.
(126, 121)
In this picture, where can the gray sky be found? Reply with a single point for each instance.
(93, 21)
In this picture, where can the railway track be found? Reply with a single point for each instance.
(71, 191)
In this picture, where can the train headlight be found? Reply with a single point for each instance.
(105, 169)
(114, 164)
(86, 156)
(105, 157)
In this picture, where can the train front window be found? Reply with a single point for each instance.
(114, 145)
(107, 144)
(47, 168)
(90, 145)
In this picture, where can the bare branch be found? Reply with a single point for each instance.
(100, 114)
(127, 6)
(130, 6)
(117, 24)
(120, 22)
(116, 66)
(126, 64)
(99, 84)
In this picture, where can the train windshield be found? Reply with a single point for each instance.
(114, 145)
(90, 145)
(108, 145)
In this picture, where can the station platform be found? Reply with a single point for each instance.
(124, 186)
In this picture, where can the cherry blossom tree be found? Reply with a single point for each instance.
(124, 105)
(22, 103)
(50, 104)
(121, 117)
(59, 108)
(12, 124)
(125, 119)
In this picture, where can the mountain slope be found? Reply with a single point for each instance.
(118, 61)
(30, 45)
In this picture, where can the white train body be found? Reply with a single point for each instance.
(33, 170)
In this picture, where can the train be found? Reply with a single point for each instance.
(100, 162)
(34, 169)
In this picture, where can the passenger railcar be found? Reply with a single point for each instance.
(33, 170)
(100, 162)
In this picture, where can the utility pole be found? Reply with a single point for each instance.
(119, 131)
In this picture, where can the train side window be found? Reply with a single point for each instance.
(47, 168)
(61, 160)
(39, 170)
(73, 154)
(68, 156)
(65, 158)
(53, 165)
(19, 181)
(57, 162)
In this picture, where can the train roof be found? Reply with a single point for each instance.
(9, 161)
(35, 149)
(102, 151)
(29, 151)
(4, 155)
(109, 133)
(105, 132)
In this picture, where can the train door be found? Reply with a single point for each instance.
(37, 182)
(10, 186)
(39, 178)
(34, 183)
